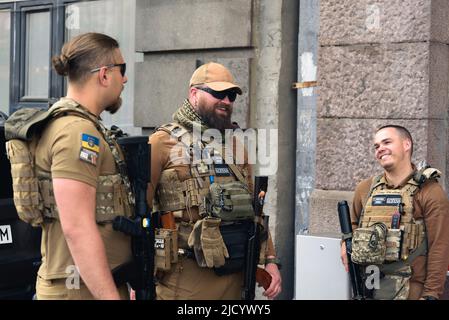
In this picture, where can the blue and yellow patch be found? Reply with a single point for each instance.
(90, 142)
(90, 147)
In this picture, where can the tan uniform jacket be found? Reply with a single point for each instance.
(431, 204)
(161, 146)
(58, 152)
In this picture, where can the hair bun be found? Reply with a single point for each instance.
(61, 64)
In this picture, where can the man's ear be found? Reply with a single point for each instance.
(103, 76)
(193, 96)
(407, 144)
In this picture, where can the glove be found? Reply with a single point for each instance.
(194, 242)
(214, 248)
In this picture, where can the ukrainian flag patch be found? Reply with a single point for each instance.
(90, 147)
(90, 142)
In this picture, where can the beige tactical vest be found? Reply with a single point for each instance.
(172, 194)
(33, 188)
(386, 205)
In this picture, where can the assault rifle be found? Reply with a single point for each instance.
(141, 227)
(253, 244)
(346, 230)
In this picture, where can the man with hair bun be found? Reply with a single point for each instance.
(82, 189)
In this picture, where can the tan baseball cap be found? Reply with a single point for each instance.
(215, 76)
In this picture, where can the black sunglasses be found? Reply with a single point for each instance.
(121, 65)
(220, 95)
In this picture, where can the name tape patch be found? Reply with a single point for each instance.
(386, 200)
(222, 170)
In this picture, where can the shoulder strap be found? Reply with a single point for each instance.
(425, 174)
(22, 123)
(235, 169)
(173, 128)
(376, 181)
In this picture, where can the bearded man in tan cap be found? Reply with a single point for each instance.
(200, 249)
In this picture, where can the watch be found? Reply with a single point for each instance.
(276, 261)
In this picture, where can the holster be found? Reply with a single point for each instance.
(235, 236)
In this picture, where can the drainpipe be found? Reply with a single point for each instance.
(309, 12)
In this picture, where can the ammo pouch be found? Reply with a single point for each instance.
(393, 285)
(229, 201)
(165, 248)
(235, 236)
(369, 244)
(25, 183)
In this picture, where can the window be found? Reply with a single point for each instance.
(37, 56)
(116, 19)
(33, 31)
(5, 49)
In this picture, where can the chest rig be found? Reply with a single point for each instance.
(394, 208)
(33, 187)
(213, 186)
(389, 236)
(210, 187)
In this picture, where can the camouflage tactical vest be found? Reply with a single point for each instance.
(389, 236)
(33, 188)
(216, 188)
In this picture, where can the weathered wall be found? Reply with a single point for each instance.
(380, 62)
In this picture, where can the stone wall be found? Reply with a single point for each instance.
(380, 62)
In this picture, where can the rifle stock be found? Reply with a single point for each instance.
(346, 230)
(141, 227)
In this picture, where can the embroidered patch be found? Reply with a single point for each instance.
(386, 200)
(90, 142)
(89, 156)
(222, 170)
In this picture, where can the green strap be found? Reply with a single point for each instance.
(392, 267)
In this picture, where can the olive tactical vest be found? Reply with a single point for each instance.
(33, 188)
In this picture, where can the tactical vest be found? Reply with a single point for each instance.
(33, 188)
(389, 236)
(216, 188)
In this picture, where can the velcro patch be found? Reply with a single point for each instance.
(89, 156)
(90, 142)
(222, 170)
(387, 200)
(159, 243)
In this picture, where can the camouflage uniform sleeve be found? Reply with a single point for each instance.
(66, 152)
(434, 204)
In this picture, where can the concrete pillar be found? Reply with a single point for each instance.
(380, 62)
(257, 41)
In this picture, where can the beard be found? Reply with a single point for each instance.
(113, 108)
(212, 120)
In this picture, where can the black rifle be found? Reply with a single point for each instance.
(346, 230)
(141, 227)
(254, 240)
